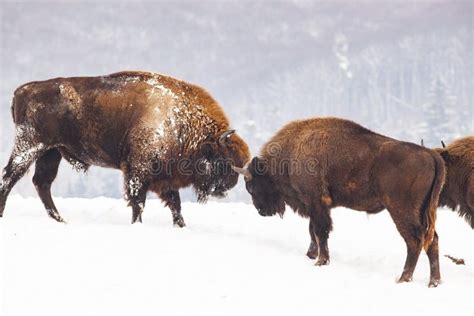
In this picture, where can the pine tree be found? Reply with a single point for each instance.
(438, 114)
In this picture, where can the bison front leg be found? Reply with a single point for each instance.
(322, 225)
(136, 189)
(173, 201)
(313, 250)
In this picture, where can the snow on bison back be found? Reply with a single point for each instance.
(317, 164)
(162, 133)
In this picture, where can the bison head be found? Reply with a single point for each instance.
(265, 195)
(214, 175)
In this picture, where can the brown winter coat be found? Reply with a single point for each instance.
(163, 133)
(458, 191)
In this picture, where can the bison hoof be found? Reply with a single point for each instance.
(179, 222)
(137, 219)
(313, 251)
(312, 254)
(322, 262)
(404, 279)
(434, 283)
(57, 217)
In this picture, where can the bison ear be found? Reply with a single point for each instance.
(208, 149)
(444, 154)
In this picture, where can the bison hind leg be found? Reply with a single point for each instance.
(412, 232)
(433, 256)
(25, 152)
(45, 172)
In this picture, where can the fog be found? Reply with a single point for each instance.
(400, 68)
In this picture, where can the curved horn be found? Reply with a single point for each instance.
(243, 171)
(422, 143)
(443, 144)
(223, 137)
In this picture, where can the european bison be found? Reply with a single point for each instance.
(458, 191)
(163, 133)
(317, 164)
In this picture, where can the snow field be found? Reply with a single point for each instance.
(228, 260)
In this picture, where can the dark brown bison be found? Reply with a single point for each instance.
(317, 164)
(163, 133)
(458, 191)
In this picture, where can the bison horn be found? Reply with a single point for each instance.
(443, 144)
(243, 172)
(224, 136)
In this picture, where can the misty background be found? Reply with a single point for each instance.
(400, 68)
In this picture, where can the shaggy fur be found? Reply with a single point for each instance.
(317, 164)
(458, 192)
(163, 133)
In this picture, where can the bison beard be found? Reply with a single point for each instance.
(356, 168)
(132, 121)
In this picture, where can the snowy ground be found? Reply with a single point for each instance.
(227, 260)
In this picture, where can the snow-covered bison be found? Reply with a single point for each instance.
(458, 191)
(317, 164)
(162, 133)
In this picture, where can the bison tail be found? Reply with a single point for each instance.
(432, 204)
(13, 109)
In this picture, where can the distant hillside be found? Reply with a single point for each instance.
(403, 68)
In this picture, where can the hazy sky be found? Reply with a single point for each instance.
(255, 57)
